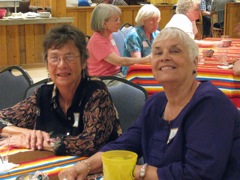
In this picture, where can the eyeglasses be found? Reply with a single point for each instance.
(115, 20)
(68, 58)
(153, 20)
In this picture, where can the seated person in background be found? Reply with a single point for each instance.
(178, 132)
(205, 12)
(83, 3)
(190, 131)
(113, 2)
(236, 68)
(72, 3)
(187, 12)
(104, 58)
(218, 6)
(75, 115)
(139, 41)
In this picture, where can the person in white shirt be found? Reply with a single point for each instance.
(187, 12)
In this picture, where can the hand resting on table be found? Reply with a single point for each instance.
(30, 139)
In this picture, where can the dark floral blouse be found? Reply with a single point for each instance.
(98, 119)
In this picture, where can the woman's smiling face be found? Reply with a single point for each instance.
(65, 71)
(171, 61)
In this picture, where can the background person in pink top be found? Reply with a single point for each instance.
(104, 58)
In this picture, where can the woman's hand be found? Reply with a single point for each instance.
(35, 139)
(30, 139)
(148, 58)
(78, 171)
(69, 174)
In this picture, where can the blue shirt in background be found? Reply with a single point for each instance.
(136, 41)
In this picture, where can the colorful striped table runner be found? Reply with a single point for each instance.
(43, 161)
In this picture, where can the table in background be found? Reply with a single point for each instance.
(43, 161)
(221, 78)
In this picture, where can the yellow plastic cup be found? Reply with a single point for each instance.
(118, 164)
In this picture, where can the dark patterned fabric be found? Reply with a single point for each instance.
(98, 121)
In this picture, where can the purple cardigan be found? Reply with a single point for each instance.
(203, 142)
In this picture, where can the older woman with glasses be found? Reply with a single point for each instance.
(104, 58)
(75, 114)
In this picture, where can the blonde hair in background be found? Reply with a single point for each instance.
(183, 6)
(101, 13)
(145, 12)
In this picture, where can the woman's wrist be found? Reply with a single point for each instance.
(83, 167)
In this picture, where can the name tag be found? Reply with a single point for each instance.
(76, 119)
(113, 42)
(172, 134)
(145, 44)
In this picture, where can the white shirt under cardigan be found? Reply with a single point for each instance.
(182, 22)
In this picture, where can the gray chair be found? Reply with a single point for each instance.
(120, 35)
(119, 39)
(128, 99)
(13, 83)
(30, 89)
(126, 28)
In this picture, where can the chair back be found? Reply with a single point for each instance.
(13, 83)
(120, 35)
(126, 28)
(216, 32)
(29, 91)
(119, 39)
(128, 99)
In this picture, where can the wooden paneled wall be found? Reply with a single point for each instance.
(82, 16)
(22, 44)
(40, 3)
(231, 18)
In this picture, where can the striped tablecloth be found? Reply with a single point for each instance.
(221, 78)
(43, 161)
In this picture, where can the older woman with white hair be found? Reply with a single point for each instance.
(138, 42)
(187, 12)
(189, 131)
